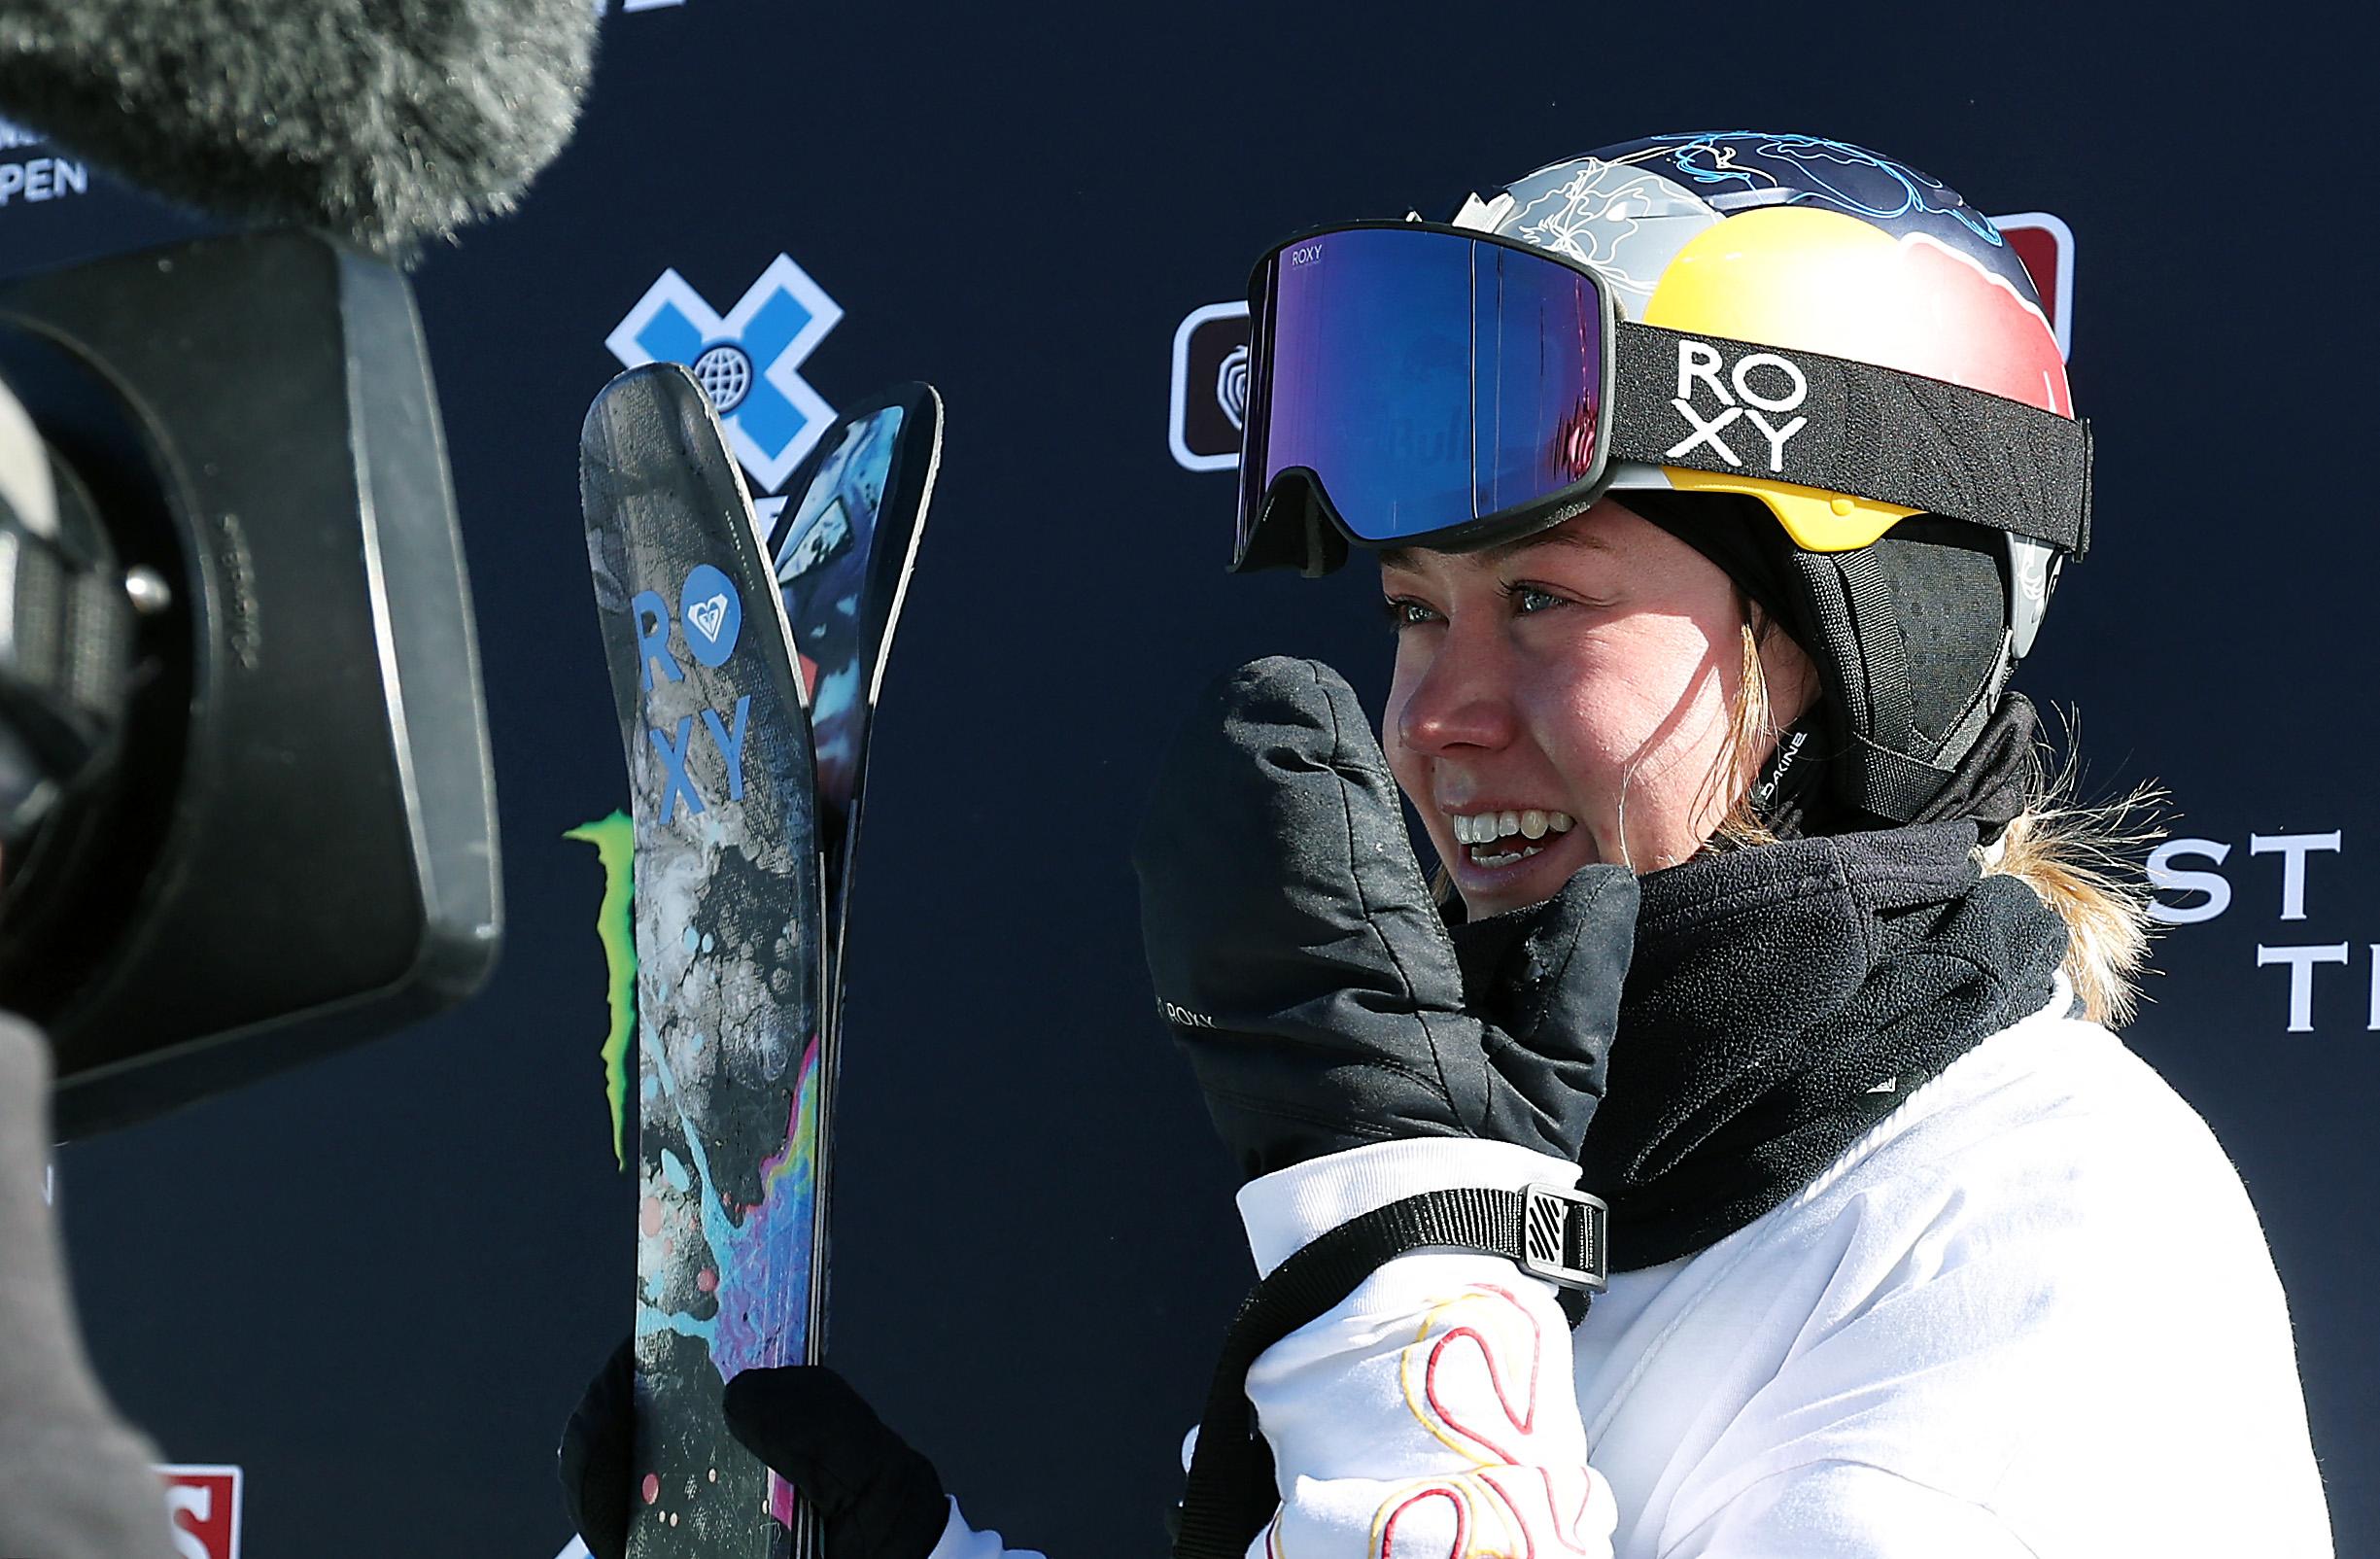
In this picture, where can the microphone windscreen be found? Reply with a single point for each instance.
(384, 122)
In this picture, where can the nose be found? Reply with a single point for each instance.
(1462, 697)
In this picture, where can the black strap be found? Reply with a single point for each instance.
(1231, 1495)
(1895, 780)
(1879, 651)
(1741, 408)
(1850, 607)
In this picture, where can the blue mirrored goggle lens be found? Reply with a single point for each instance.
(1424, 379)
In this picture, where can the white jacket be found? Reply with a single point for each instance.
(2032, 1315)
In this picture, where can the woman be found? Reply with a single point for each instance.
(1909, 1255)
(1718, 483)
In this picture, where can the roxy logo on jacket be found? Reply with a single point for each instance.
(706, 623)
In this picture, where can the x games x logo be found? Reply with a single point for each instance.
(746, 358)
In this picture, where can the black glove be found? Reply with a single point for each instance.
(1298, 957)
(877, 1497)
(598, 1455)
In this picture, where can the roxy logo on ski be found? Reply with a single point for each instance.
(1764, 400)
(711, 619)
(713, 613)
(725, 735)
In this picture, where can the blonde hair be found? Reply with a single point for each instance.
(2081, 860)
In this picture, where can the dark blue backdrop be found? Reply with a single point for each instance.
(377, 1285)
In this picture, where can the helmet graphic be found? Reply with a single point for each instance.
(1914, 620)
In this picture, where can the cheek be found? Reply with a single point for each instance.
(1642, 698)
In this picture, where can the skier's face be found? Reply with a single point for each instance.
(1584, 672)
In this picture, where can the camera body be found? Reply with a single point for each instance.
(289, 840)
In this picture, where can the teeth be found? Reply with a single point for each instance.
(1487, 827)
(1534, 824)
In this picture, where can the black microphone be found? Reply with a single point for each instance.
(246, 791)
(384, 122)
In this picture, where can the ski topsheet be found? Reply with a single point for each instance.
(843, 548)
(731, 936)
(743, 848)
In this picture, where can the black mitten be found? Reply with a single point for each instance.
(598, 1455)
(875, 1497)
(1304, 967)
(878, 1497)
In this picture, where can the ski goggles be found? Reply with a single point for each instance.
(1417, 385)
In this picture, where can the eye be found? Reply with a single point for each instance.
(1403, 611)
(1529, 600)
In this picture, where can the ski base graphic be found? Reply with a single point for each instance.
(730, 932)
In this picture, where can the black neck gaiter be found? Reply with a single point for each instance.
(1785, 998)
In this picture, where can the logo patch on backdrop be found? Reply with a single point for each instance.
(747, 360)
(32, 180)
(1210, 356)
(202, 1505)
(2045, 245)
(1210, 387)
(1231, 386)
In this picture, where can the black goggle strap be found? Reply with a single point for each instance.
(1740, 409)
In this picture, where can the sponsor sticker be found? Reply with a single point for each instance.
(204, 1507)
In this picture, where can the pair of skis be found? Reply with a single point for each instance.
(744, 669)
